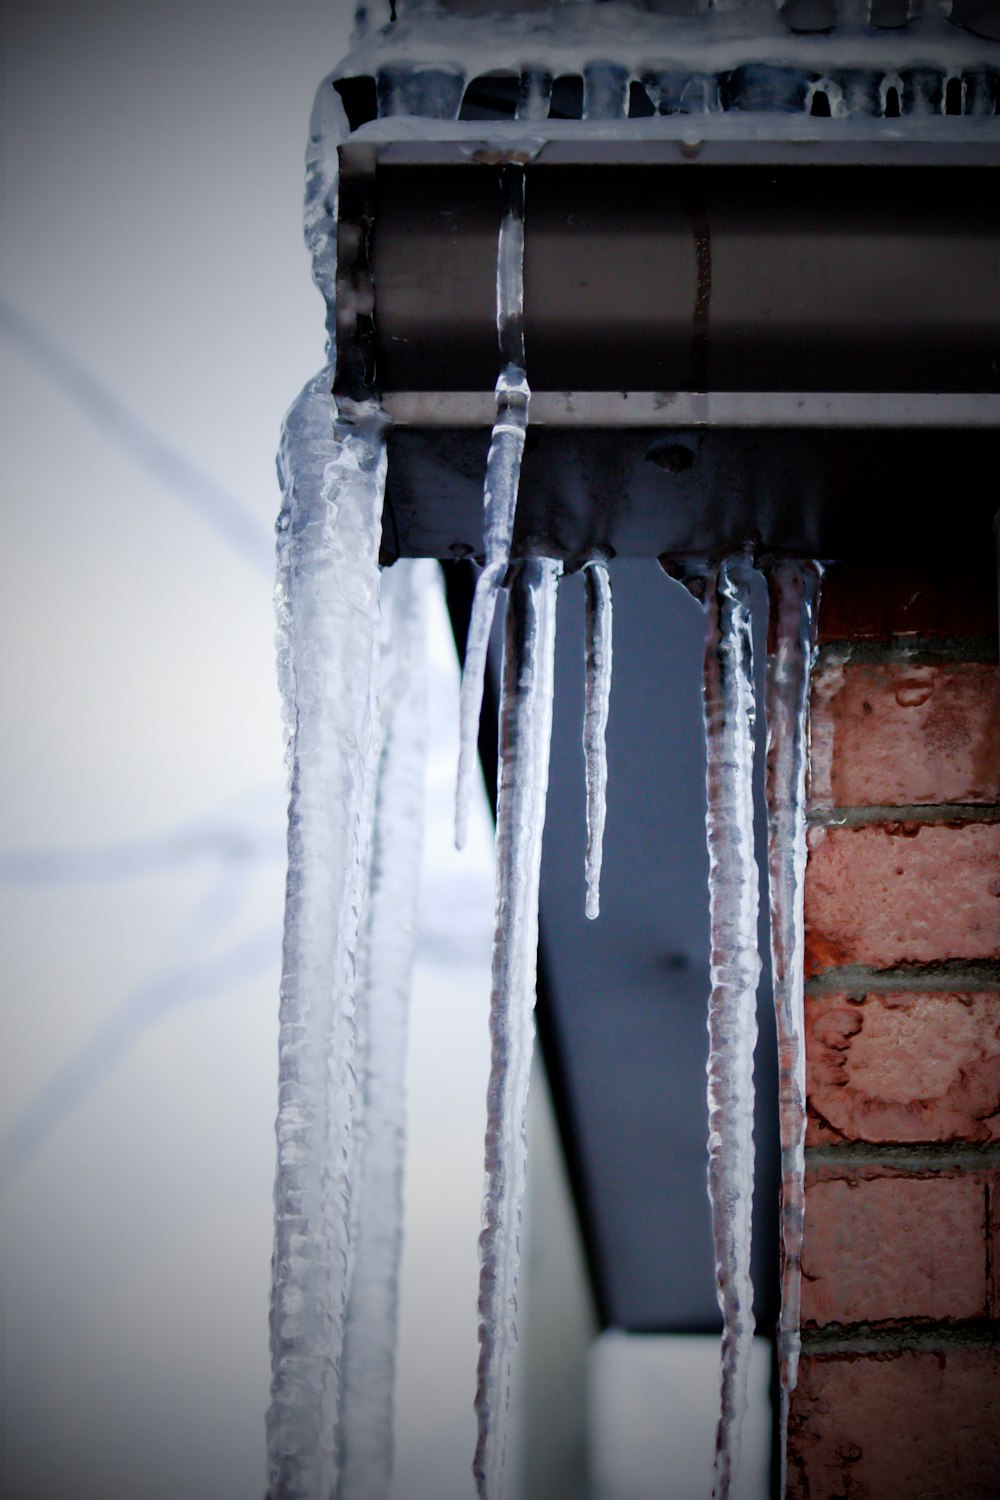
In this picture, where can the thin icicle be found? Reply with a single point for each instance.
(595, 720)
(535, 94)
(525, 730)
(333, 478)
(503, 470)
(732, 1019)
(794, 587)
(385, 965)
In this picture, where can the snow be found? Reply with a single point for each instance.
(793, 588)
(569, 38)
(525, 729)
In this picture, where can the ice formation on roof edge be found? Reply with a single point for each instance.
(570, 38)
(327, 444)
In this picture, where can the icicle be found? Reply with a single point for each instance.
(794, 588)
(333, 478)
(732, 1019)
(503, 469)
(595, 720)
(605, 91)
(385, 965)
(534, 94)
(525, 728)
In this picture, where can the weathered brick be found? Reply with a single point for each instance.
(885, 1246)
(867, 601)
(902, 893)
(894, 1247)
(884, 733)
(907, 1426)
(903, 1067)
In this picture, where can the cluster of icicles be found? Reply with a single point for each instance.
(349, 654)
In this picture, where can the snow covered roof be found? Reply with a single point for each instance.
(862, 57)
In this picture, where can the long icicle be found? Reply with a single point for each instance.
(503, 471)
(597, 689)
(732, 1020)
(525, 731)
(332, 467)
(385, 967)
(794, 588)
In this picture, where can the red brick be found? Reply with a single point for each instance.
(885, 733)
(908, 1426)
(894, 1247)
(903, 1067)
(902, 893)
(867, 601)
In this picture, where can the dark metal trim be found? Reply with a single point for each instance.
(878, 493)
(355, 302)
(675, 140)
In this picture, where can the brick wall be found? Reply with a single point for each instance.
(899, 1392)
